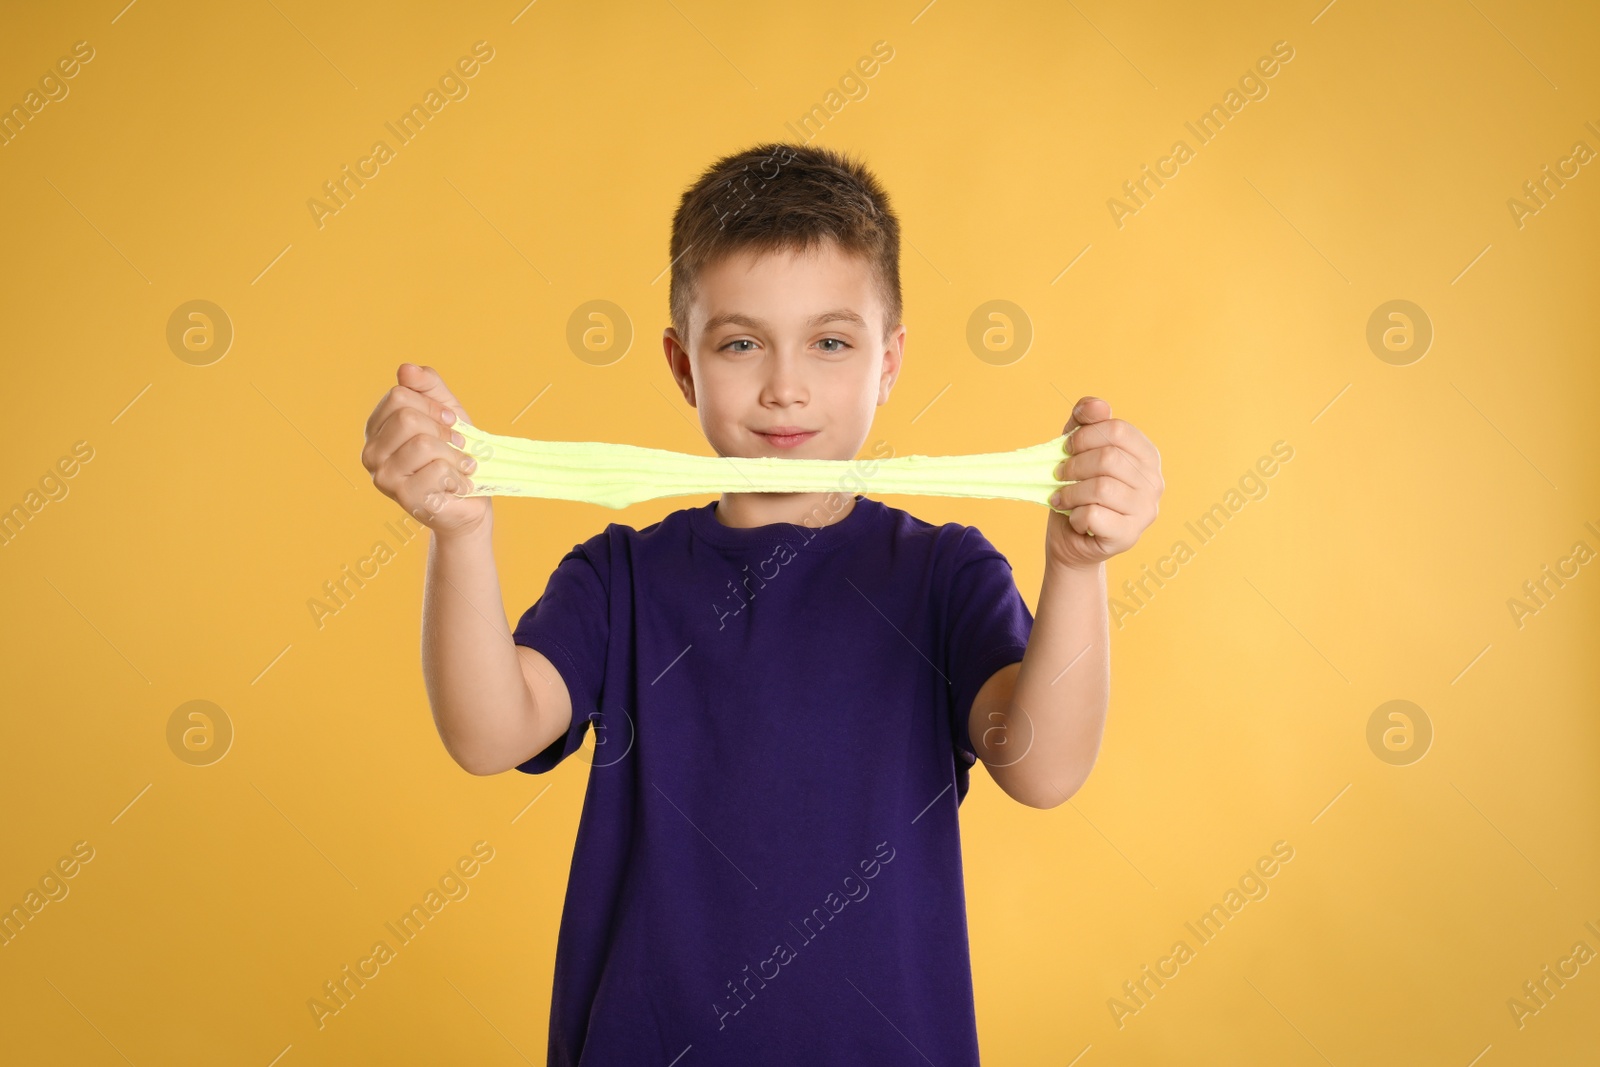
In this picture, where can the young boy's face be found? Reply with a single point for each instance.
(783, 341)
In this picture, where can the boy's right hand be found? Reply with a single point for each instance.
(410, 453)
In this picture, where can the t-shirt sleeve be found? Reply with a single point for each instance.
(989, 628)
(569, 623)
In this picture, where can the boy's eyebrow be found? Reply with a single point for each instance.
(735, 318)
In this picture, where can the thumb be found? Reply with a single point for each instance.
(426, 380)
(1087, 410)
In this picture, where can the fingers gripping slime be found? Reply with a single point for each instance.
(616, 475)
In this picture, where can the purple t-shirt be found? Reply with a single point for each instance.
(768, 864)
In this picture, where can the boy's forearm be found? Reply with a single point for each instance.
(1063, 688)
(480, 699)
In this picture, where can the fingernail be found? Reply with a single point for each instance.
(470, 465)
(447, 416)
(457, 440)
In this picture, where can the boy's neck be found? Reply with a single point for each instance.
(812, 510)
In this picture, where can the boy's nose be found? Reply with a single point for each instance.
(784, 383)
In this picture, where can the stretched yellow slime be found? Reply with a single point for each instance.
(616, 476)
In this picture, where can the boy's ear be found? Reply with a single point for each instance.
(893, 353)
(678, 363)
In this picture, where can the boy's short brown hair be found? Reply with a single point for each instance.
(784, 197)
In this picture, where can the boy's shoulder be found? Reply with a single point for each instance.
(953, 538)
(674, 523)
(954, 542)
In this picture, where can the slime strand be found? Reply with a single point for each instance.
(617, 475)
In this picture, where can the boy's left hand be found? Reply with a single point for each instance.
(1118, 484)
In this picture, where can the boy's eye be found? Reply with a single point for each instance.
(843, 344)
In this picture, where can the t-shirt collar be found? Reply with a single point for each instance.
(806, 535)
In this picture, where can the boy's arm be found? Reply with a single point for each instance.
(1037, 724)
(495, 703)
(492, 701)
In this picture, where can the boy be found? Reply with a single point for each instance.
(787, 689)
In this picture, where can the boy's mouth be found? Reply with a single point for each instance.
(786, 436)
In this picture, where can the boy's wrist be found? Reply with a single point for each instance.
(1071, 570)
(481, 531)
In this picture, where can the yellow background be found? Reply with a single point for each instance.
(1228, 314)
